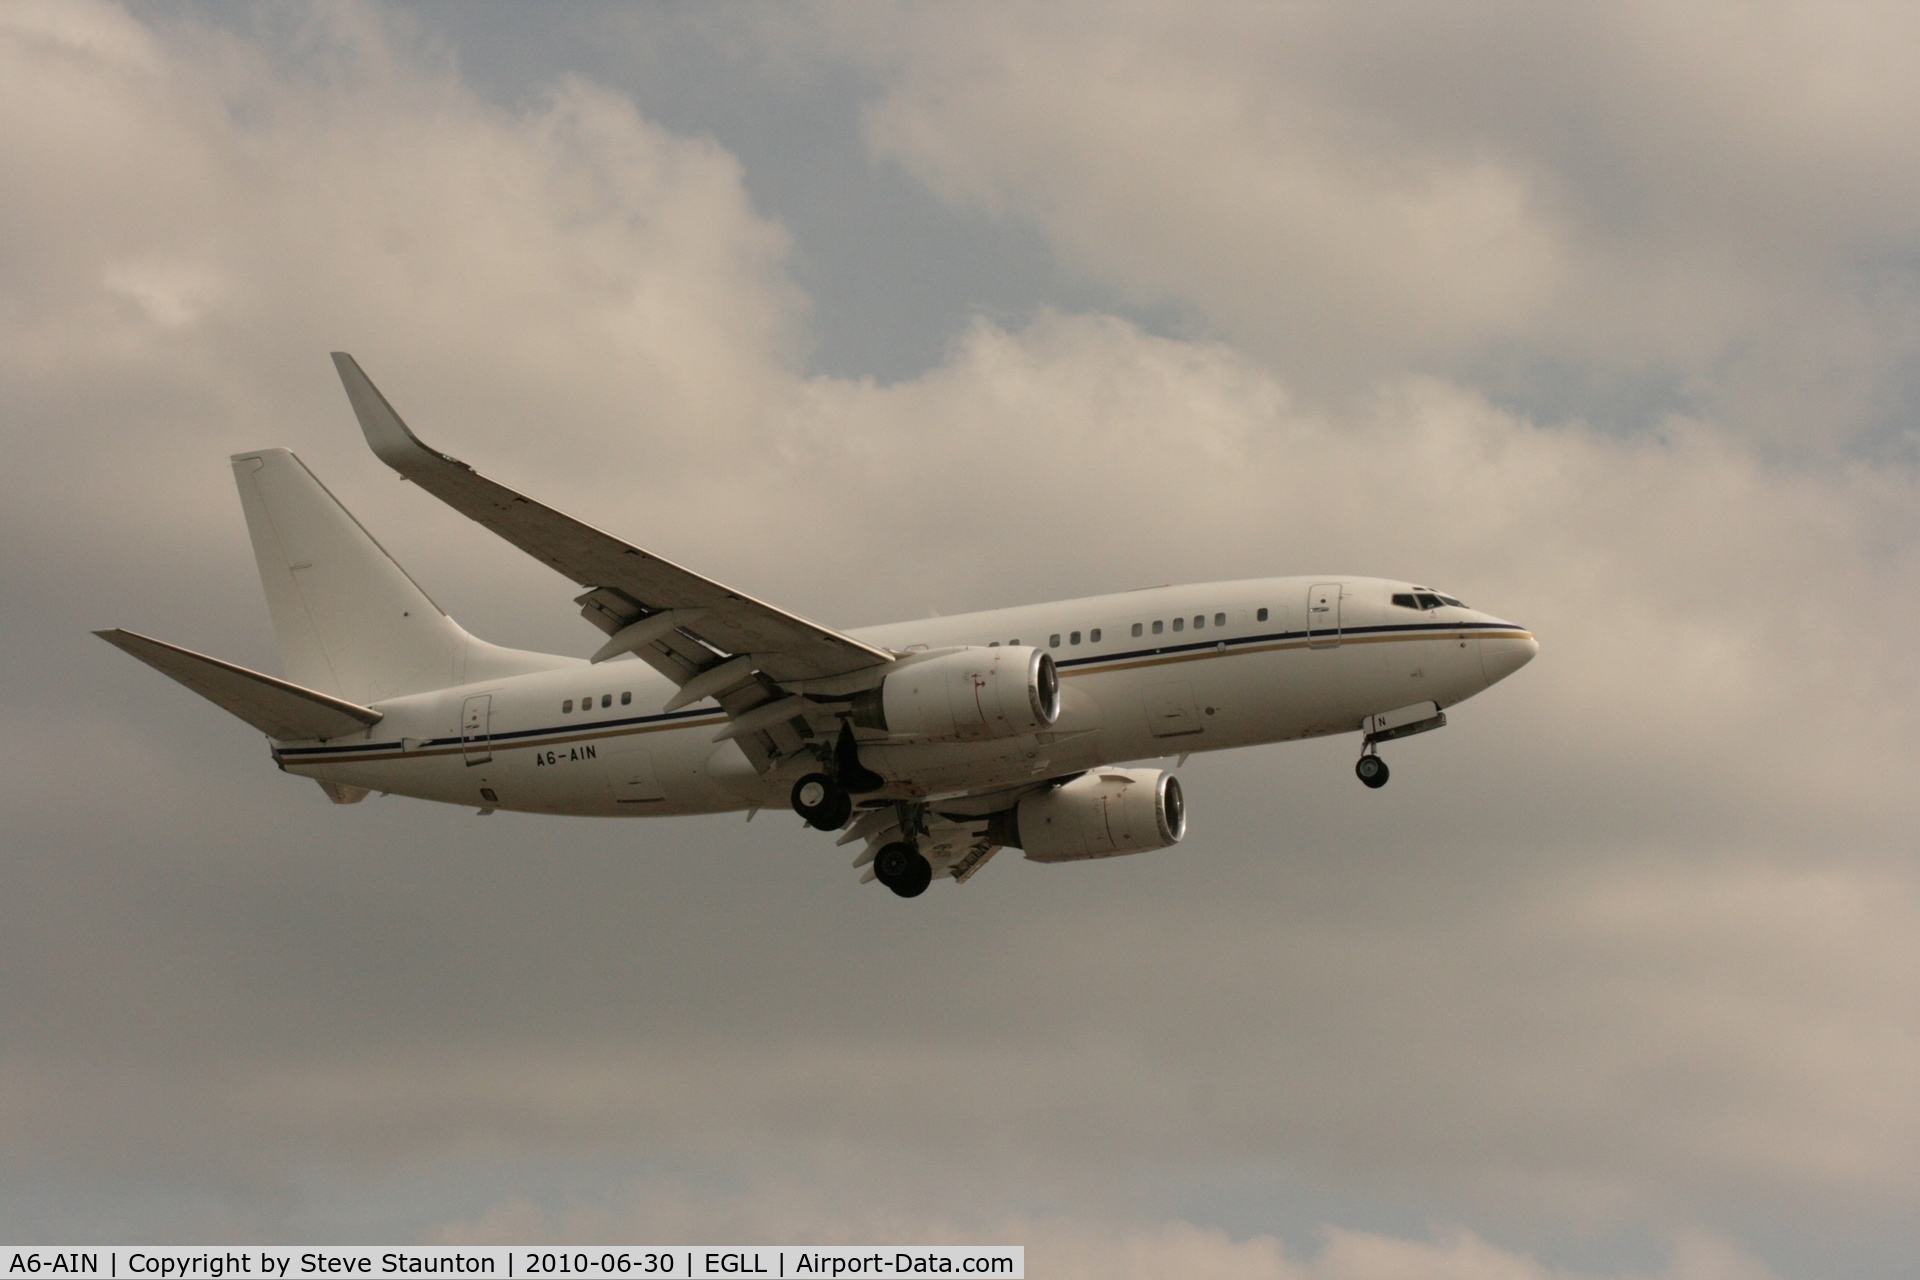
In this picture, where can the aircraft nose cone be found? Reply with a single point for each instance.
(1501, 656)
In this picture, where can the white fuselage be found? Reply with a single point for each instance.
(1144, 674)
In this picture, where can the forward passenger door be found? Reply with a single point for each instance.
(1323, 615)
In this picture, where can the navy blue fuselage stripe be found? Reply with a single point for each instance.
(1196, 646)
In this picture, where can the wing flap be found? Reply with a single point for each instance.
(281, 710)
(785, 647)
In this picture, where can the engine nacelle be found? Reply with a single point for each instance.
(1101, 814)
(965, 696)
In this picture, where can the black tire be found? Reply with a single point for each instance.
(900, 867)
(834, 818)
(1373, 771)
(821, 801)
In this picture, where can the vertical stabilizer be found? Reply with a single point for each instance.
(347, 618)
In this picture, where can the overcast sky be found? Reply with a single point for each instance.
(1606, 319)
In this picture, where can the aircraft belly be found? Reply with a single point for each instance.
(945, 766)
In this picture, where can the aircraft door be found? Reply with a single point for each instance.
(1323, 615)
(476, 742)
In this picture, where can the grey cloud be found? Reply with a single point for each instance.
(1630, 949)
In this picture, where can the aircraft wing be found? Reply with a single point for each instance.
(276, 708)
(654, 603)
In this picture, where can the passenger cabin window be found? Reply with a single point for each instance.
(1053, 641)
(1094, 635)
(626, 698)
(1074, 638)
(1136, 628)
(606, 699)
(993, 644)
(1260, 616)
(1219, 619)
(1158, 626)
(566, 708)
(1199, 622)
(1179, 624)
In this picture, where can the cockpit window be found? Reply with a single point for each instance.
(1424, 600)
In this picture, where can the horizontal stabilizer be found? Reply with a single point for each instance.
(277, 708)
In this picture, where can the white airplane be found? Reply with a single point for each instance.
(936, 743)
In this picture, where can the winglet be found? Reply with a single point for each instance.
(389, 437)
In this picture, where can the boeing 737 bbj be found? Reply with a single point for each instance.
(933, 743)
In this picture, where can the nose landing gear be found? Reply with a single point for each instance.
(903, 869)
(1421, 717)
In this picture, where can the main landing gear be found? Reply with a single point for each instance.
(901, 868)
(823, 802)
(1372, 770)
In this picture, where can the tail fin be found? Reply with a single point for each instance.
(347, 618)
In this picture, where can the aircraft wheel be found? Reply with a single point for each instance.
(836, 816)
(900, 867)
(1373, 771)
(822, 802)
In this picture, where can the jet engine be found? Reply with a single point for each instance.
(1101, 814)
(966, 695)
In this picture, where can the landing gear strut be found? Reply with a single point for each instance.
(901, 868)
(1375, 730)
(823, 802)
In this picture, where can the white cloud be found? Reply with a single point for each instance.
(1708, 200)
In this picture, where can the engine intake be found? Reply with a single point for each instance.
(1102, 814)
(967, 695)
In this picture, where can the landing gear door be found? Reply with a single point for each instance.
(1323, 615)
(476, 743)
